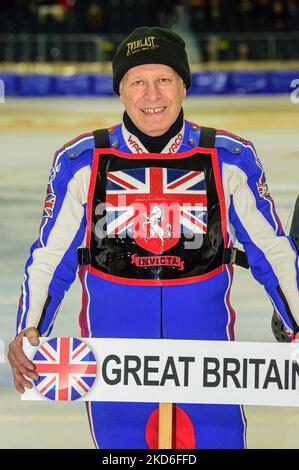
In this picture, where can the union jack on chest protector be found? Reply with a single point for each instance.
(152, 203)
(66, 367)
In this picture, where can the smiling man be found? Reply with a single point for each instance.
(152, 95)
(154, 206)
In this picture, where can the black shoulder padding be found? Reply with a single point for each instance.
(101, 138)
(207, 137)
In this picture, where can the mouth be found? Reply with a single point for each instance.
(151, 111)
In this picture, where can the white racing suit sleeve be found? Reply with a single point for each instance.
(52, 264)
(271, 255)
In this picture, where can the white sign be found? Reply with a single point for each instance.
(180, 371)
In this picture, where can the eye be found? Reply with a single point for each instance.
(164, 80)
(137, 83)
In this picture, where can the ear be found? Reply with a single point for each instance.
(121, 87)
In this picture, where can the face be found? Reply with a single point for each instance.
(152, 95)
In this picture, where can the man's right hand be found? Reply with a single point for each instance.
(20, 364)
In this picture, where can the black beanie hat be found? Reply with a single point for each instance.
(151, 45)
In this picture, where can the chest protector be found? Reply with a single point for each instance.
(155, 219)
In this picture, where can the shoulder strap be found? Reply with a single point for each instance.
(230, 255)
(101, 138)
(207, 137)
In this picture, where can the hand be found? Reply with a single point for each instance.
(297, 337)
(19, 362)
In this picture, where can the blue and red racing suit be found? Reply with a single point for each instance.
(152, 272)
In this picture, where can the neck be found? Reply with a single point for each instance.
(154, 144)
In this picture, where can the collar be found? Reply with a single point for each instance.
(138, 142)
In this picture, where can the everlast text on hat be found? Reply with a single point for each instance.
(141, 44)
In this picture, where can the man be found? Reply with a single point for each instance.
(156, 263)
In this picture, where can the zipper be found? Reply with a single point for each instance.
(43, 315)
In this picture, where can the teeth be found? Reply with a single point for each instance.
(153, 110)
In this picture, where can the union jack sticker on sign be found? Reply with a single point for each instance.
(66, 367)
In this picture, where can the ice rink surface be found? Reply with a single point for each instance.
(31, 130)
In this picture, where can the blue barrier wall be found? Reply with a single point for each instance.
(203, 83)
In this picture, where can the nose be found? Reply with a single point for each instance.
(152, 92)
